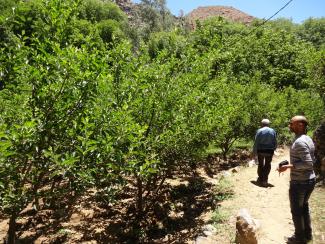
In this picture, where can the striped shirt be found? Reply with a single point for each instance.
(302, 158)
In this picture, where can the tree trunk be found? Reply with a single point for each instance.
(12, 229)
(225, 150)
(139, 198)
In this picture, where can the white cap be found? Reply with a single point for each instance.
(265, 122)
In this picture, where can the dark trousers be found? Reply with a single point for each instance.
(264, 166)
(299, 193)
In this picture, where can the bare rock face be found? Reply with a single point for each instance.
(247, 228)
(229, 13)
(123, 2)
(127, 6)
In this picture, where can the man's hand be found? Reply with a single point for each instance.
(282, 168)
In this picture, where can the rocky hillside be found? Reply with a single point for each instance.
(201, 13)
(127, 6)
(230, 13)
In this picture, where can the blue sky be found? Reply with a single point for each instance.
(297, 10)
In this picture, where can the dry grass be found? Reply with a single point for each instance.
(318, 214)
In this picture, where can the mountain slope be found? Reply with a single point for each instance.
(229, 13)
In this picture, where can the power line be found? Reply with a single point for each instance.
(258, 26)
(244, 38)
(277, 12)
(271, 16)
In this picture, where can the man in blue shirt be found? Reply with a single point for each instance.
(264, 147)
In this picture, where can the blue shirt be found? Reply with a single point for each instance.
(265, 139)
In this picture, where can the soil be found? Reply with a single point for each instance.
(183, 216)
(270, 205)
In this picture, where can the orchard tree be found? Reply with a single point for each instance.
(45, 131)
(312, 30)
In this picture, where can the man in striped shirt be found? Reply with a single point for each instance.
(302, 179)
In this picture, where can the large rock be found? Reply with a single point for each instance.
(247, 228)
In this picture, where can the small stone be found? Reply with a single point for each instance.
(226, 174)
(201, 240)
(210, 228)
(235, 170)
(207, 233)
(88, 214)
(179, 205)
(251, 163)
(167, 238)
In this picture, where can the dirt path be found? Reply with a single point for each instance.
(269, 205)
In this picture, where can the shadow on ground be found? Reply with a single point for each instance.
(176, 217)
(257, 183)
